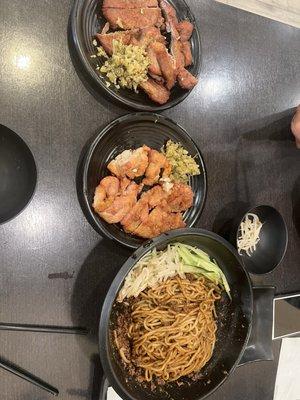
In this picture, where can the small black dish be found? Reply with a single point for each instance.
(272, 246)
(86, 21)
(132, 131)
(18, 174)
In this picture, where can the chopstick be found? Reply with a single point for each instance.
(44, 328)
(21, 373)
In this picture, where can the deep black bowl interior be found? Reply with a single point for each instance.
(271, 248)
(234, 322)
(132, 131)
(86, 21)
(18, 174)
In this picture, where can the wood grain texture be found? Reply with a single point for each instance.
(239, 116)
(286, 11)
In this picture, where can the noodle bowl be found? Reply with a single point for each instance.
(172, 329)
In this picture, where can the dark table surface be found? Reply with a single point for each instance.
(239, 115)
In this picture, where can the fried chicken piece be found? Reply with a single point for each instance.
(105, 193)
(137, 215)
(130, 163)
(186, 80)
(133, 18)
(165, 62)
(121, 204)
(106, 39)
(141, 209)
(159, 221)
(157, 92)
(127, 4)
(180, 197)
(157, 164)
(154, 196)
(185, 30)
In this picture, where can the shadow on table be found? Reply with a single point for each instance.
(296, 204)
(225, 220)
(93, 281)
(278, 129)
(96, 374)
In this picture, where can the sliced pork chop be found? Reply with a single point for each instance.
(185, 30)
(133, 18)
(165, 62)
(127, 4)
(106, 39)
(181, 52)
(187, 53)
(157, 92)
(186, 80)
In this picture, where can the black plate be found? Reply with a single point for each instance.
(132, 131)
(272, 246)
(18, 174)
(85, 23)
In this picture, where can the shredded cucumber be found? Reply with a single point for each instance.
(196, 261)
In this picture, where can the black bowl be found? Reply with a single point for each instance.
(132, 131)
(272, 246)
(234, 322)
(18, 174)
(85, 23)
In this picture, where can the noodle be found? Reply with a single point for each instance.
(173, 329)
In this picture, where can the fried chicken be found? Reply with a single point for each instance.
(130, 163)
(180, 197)
(159, 221)
(117, 205)
(141, 209)
(157, 164)
(105, 193)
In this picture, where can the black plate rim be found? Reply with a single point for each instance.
(86, 162)
(36, 174)
(118, 280)
(75, 22)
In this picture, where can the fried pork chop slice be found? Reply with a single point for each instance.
(127, 4)
(133, 18)
(180, 51)
(156, 91)
(106, 39)
(157, 164)
(165, 62)
(186, 80)
(130, 163)
(185, 30)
